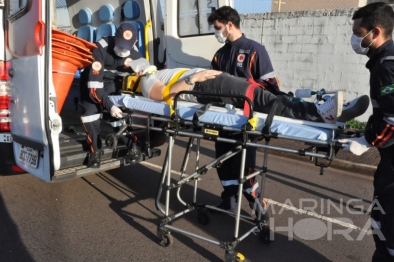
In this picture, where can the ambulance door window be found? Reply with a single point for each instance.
(188, 18)
(205, 9)
(193, 15)
(17, 8)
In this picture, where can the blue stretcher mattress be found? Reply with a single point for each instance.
(229, 117)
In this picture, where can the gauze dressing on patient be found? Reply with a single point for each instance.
(141, 65)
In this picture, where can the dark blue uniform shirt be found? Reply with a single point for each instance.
(246, 58)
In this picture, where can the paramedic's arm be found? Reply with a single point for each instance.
(135, 54)
(214, 62)
(96, 74)
(156, 92)
(261, 69)
(381, 132)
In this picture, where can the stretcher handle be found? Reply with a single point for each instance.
(306, 92)
(195, 93)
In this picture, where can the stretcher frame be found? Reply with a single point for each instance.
(195, 130)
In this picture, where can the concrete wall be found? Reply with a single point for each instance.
(311, 49)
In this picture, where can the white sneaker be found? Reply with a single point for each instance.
(354, 108)
(332, 108)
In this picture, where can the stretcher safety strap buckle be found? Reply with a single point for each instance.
(167, 90)
(253, 121)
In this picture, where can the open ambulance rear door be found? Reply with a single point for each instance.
(189, 38)
(35, 125)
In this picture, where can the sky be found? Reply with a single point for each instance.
(249, 6)
(252, 6)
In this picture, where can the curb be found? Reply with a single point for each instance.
(340, 164)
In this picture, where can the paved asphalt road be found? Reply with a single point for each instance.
(111, 216)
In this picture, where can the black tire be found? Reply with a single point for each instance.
(7, 161)
(166, 240)
(111, 141)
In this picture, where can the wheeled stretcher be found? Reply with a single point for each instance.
(198, 121)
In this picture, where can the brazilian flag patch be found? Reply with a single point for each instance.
(387, 90)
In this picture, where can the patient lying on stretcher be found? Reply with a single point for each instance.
(155, 85)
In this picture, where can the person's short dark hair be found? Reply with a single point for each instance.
(376, 14)
(224, 15)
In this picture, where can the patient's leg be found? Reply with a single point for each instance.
(263, 100)
(227, 84)
(327, 112)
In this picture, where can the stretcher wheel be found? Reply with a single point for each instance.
(203, 216)
(166, 240)
(265, 234)
(111, 141)
(232, 256)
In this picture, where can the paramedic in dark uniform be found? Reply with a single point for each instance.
(102, 79)
(241, 57)
(372, 36)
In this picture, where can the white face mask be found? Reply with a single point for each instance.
(121, 52)
(219, 36)
(355, 41)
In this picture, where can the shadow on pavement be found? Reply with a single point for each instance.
(142, 184)
(12, 247)
(313, 192)
(211, 153)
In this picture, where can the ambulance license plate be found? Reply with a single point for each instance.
(29, 156)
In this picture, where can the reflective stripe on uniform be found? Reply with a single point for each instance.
(116, 72)
(389, 120)
(103, 43)
(375, 224)
(112, 71)
(250, 190)
(374, 103)
(95, 84)
(92, 118)
(230, 182)
(386, 58)
(269, 75)
(391, 251)
(116, 123)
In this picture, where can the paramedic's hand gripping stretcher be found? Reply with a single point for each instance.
(189, 103)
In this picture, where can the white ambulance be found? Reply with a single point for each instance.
(7, 160)
(50, 144)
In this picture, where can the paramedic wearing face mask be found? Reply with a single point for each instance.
(241, 57)
(103, 78)
(372, 36)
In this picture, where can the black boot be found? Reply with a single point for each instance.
(94, 159)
